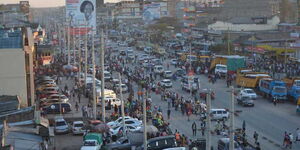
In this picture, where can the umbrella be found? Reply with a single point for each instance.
(150, 129)
(101, 128)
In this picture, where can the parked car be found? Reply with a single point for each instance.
(158, 69)
(166, 83)
(61, 97)
(247, 92)
(173, 61)
(57, 108)
(245, 101)
(223, 144)
(120, 144)
(61, 126)
(131, 121)
(77, 127)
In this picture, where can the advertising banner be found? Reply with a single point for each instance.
(151, 12)
(81, 15)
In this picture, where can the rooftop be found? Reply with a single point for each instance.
(10, 38)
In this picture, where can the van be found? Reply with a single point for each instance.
(55, 108)
(219, 114)
(223, 144)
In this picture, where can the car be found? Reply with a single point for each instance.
(119, 121)
(156, 61)
(61, 126)
(160, 143)
(245, 101)
(223, 144)
(52, 88)
(122, 52)
(180, 72)
(56, 108)
(158, 69)
(168, 74)
(124, 88)
(173, 61)
(118, 129)
(219, 114)
(121, 144)
(248, 93)
(107, 75)
(166, 83)
(77, 127)
(189, 85)
(61, 97)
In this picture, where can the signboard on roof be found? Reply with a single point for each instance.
(81, 15)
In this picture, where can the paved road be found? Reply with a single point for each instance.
(268, 120)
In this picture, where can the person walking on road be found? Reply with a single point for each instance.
(76, 106)
(194, 128)
(169, 113)
(255, 136)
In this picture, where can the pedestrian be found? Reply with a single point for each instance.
(297, 135)
(76, 106)
(255, 136)
(79, 97)
(169, 113)
(257, 146)
(194, 128)
(291, 137)
(274, 101)
(202, 128)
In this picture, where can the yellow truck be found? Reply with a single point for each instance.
(249, 79)
(232, 62)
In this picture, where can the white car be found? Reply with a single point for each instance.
(247, 93)
(77, 127)
(173, 61)
(168, 74)
(158, 69)
(131, 128)
(107, 75)
(61, 126)
(119, 121)
(124, 88)
(166, 83)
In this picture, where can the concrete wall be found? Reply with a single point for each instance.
(12, 74)
(220, 25)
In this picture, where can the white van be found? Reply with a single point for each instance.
(219, 114)
(222, 69)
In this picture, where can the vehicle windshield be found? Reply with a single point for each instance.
(221, 67)
(279, 89)
(249, 91)
(78, 125)
(60, 123)
(89, 143)
(167, 81)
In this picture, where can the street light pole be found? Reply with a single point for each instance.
(94, 76)
(145, 122)
(102, 76)
(208, 135)
(122, 103)
(69, 54)
(231, 130)
(86, 53)
(74, 53)
(79, 53)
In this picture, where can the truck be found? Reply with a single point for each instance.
(232, 62)
(92, 141)
(273, 89)
(249, 79)
(293, 88)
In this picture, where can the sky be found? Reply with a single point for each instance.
(43, 3)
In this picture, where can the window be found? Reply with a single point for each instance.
(219, 112)
(129, 122)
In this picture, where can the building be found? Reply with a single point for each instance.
(16, 64)
(128, 10)
(247, 24)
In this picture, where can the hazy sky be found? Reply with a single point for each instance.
(43, 3)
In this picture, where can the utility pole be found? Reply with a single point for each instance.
(208, 120)
(102, 76)
(69, 54)
(231, 136)
(79, 53)
(285, 57)
(228, 45)
(65, 39)
(74, 39)
(122, 103)
(145, 121)
(3, 133)
(86, 53)
(94, 76)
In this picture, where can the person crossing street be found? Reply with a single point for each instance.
(194, 128)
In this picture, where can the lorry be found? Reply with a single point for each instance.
(92, 141)
(273, 89)
(249, 79)
(232, 62)
(293, 88)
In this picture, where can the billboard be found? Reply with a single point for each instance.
(81, 14)
(151, 12)
(24, 7)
